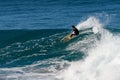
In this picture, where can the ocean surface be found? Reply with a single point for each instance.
(31, 33)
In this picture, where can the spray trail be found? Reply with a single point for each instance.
(91, 22)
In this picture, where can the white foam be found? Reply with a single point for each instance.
(91, 22)
(101, 63)
(34, 71)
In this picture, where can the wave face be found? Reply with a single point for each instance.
(52, 14)
(39, 54)
(30, 34)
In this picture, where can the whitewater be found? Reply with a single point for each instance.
(101, 60)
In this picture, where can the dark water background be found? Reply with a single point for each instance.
(47, 14)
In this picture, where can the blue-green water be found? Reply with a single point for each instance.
(31, 33)
(24, 47)
(47, 14)
(39, 54)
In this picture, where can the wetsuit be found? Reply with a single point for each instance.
(75, 31)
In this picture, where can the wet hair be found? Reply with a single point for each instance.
(73, 26)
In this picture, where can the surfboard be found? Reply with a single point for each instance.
(67, 38)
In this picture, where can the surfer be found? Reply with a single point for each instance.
(74, 31)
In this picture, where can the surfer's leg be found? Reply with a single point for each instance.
(72, 35)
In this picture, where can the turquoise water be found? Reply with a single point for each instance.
(24, 47)
(39, 54)
(31, 33)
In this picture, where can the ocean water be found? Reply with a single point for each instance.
(31, 33)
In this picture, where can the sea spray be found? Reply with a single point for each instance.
(102, 61)
(85, 43)
(91, 22)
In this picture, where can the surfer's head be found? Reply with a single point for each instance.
(73, 26)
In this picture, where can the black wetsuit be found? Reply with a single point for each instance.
(76, 31)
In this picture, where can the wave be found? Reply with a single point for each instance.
(101, 62)
(91, 56)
